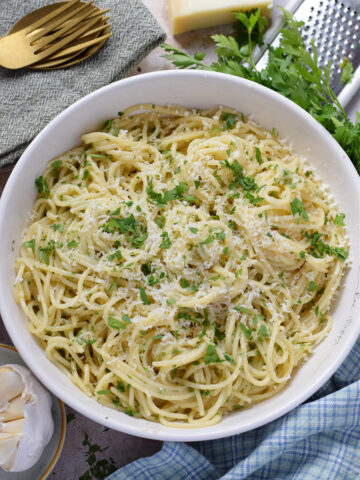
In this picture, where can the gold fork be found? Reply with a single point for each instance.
(47, 35)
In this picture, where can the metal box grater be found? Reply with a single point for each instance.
(335, 27)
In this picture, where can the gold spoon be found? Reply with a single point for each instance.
(70, 54)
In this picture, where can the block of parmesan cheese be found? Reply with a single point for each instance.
(188, 15)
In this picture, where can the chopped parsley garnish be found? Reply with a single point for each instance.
(166, 242)
(143, 296)
(274, 133)
(186, 284)
(263, 332)
(220, 235)
(341, 253)
(168, 196)
(157, 337)
(57, 227)
(211, 355)
(254, 200)
(297, 208)
(50, 248)
(318, 248)
(120, 386)
(219, 335)
(240, 180)
(146, 268)
(229, 119)
(117, 324)
(116, 255)
(108, 124)
(241, 309)
(339, 219)
(312, 287)
(190, 199)
(130, 412)
(245, 331)
(56, 165)
(207, 240)
(160, 221)
(193, 230)
(258, 156)
(135, 233)
(229, 358)
(72, 244)
(30, 244)
(197, 183)
(302, 254)
(115, 212)
(42, 186)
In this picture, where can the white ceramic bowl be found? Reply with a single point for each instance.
(200, 90)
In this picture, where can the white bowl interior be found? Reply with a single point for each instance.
(198, 90)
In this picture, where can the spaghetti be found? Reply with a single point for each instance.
(180, 264)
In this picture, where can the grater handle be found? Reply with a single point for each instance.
(273, 32)
(350, 90)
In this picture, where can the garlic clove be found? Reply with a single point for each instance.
(15, 426)
(26, 424)
(11, 385)
(8, 448)
(14, 410)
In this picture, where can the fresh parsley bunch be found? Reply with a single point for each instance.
(292, 71)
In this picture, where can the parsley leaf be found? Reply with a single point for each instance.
(229, 358)
(211, 355)
(258, 156)
(339, 219)
(168, 196)
(166, 242)
(72, 244)
(117, 324)
(229, 118)
(312, 287)
(160, 221)
(143, 296)
(245, 331)
(297, 207)
(42, 186)
(57, 227)
(263, 332)
(347, 73)
(30, 244)
(135, 233)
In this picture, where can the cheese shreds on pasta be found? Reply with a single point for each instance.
(180, 264)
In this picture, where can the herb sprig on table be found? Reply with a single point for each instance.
(291, 70)
(98, 469)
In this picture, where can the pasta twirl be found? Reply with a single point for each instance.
(180, 264)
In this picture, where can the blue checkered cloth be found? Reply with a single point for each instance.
(319, 440)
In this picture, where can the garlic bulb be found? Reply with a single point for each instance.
(26, 424)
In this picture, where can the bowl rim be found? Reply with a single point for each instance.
(171, 433)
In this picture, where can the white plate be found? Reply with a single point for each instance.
(199, 90)
(51, 453)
